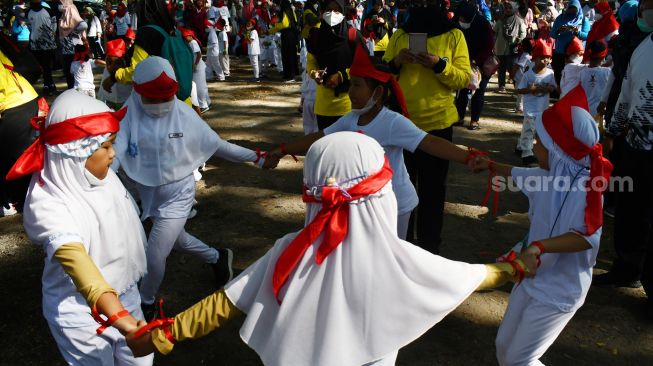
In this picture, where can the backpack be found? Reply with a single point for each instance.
(24, 61)
(177, 51)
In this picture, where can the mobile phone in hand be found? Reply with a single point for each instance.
(417, 43)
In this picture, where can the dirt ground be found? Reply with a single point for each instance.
(247, 209)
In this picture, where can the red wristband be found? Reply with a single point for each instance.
(539, 245)
(104, 324)
(260, 154)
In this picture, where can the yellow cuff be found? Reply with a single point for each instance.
(85, 275)
(498, 274)
(197, 321)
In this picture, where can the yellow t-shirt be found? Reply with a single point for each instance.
(326, 101)
(307, 28)
(429, 95)
(14, 89)
(382, 44)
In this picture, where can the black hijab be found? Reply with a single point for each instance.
(431, 19)
(155, 12)
(476, 35)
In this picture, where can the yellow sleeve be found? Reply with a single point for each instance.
(85, 275)
(311, 63)
(125, 75)
(285, 23)
(458, 71)
(197, 321)
(391, 50)
(499, 274)
(15, 90)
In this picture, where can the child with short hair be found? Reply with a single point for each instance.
(571, 73)
(88, 225)
(594, 78)
(536, 85)
(522, 65)
(253, 48)
(565, 228)
(82, 70)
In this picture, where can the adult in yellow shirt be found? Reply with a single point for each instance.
(330, 54)
(429, 81)
(18, 104)
(379, 22)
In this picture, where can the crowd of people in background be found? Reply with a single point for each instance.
(418, 66)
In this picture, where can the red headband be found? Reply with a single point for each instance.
(557, 121)
(362, 66)
(333, 220)
(72, 129)
(163, 87)
(116, 48)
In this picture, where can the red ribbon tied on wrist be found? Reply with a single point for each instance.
(162, 322)
(72, 129)
(332, 219)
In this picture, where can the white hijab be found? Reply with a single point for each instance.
(371, 296)
(65, 204)
(158, 150)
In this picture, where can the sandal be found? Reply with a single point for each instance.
(473, 126)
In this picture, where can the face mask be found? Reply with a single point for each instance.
(642, 24)
(465, 25)
(576, 59)
(159, 109)
(60, 7)
(315, 7)
(370, 104)
(333, 18)
(93, 180)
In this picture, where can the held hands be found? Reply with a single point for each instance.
(531, 258)
(271, 161)
(140, 346)
(480, 164)
(405, 56)
(107, 84)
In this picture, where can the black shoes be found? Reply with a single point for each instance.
(529, 161)
(222, 268)
(610, 280)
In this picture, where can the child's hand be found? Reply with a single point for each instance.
(531, 258)
(271, 162)
(479, 164)
(141, 346)
(107, 84)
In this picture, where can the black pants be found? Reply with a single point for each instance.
(633, 225)
(505, 63)
(96, 47)
(16, 134)
(558, 64)
(325, 121)
(66, 61)
(289, 54)
(478, 99)
(45, 59)
(429, 175)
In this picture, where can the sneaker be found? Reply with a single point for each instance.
(8, 211)
(222, 268)
(204, 110)
(517, 151)
(502, 89)
(609, 212)
(610, 280)
(529, 161)
(150, 311)
(255, 80)
(192, 213)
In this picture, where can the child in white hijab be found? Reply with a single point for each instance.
(88, 225)
(566, 217)
(345, 290)
(161, 141)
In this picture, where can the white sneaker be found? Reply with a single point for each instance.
(192, 213)
(9, 211)
(197, 175)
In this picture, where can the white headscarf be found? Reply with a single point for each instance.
(69, 19)
(371, 296)
(65, 204)
(158, 150)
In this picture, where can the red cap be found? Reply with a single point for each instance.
(541, 49)
(362, 66)
(130, 34)
(575, 46)
(116, 48)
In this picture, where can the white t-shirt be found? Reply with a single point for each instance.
(395, 133)
(94, 27)
(253, 46)
(213, 13)
(212, 44)
(195, 47)
(570, 77)
(121, 24)
(594, 80)
(224, 13)
(83, 73)
(536, 103)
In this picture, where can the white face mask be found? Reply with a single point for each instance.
(315, 7)
(368, 107)
(597, 17)
(333, 18)
(159, 109)
(576, 59)
(93, 180)
(465, 25)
